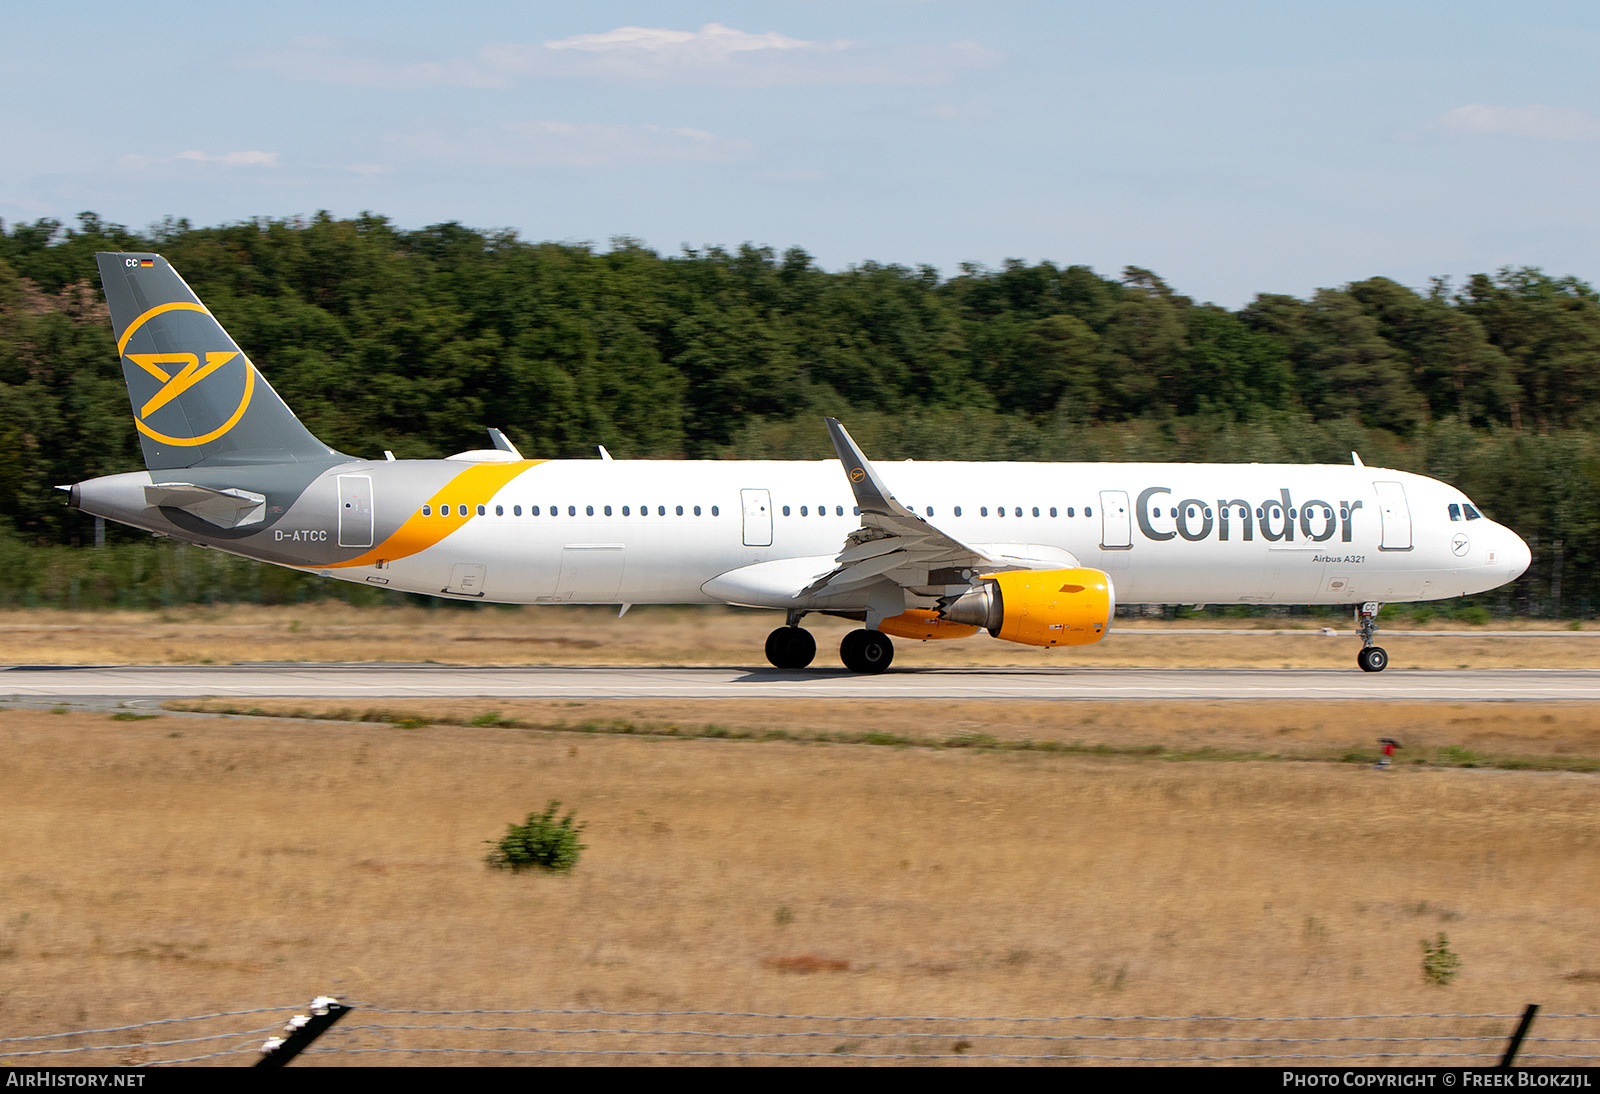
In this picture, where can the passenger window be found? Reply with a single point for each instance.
(1052, 510)
(1455, 511)
(715, 511)
(930, 510)
(1472, 514)
(624, 510)
(516, 510)
(856, 509)
(661, 510)
(588, 510)
(983, 510)
(680, 510)
(1088, 512)
(785, 510)
(1070, 512)
(1036, 510)
(462, 509)
(838, 511)
(697, 510)
(957, 510)
(499, 510)
(805, 512)
(572, 510)
(1000, 511)
(608, 510)
(427, 510)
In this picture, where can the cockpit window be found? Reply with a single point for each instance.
(1455, 511)
(1472, 514)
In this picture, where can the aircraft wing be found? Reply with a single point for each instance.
(893, 544)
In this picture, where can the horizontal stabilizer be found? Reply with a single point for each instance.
(224, 508)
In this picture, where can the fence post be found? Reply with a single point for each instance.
(301, 1030)
(1516, 1038)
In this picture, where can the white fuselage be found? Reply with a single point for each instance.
(653, 532)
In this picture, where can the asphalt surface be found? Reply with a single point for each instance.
(124, 683)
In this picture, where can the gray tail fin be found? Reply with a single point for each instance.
(196, 397)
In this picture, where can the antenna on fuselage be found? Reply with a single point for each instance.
(1355, 458)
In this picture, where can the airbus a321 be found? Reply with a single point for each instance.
(1035, 553)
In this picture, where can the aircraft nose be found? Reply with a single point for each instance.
(1518, 557)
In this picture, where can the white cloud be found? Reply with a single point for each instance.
(1533, 122)
(715, 55)
(712, 39)
(565, 144)
(250, 158)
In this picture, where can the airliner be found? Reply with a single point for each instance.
(1034, 553)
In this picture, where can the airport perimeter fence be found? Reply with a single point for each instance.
(374, 1034)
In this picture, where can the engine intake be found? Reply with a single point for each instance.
(1039, 607)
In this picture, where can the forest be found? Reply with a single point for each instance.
(415, 341)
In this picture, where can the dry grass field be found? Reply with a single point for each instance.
(706, 636)
(922, 857)
(181, 864)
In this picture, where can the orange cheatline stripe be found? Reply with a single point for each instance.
(473, 487)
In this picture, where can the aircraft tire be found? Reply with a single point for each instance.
(1373, 659)
(791, 648)
(866, 651)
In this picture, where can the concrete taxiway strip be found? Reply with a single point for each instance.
(386, 681)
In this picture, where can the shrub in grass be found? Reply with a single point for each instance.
(1440, 964)
(540, 841)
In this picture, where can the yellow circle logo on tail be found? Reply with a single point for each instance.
(856, 474)
(175, 381)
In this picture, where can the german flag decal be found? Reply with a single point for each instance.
(147, 262)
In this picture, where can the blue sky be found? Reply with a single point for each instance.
(1233, 148)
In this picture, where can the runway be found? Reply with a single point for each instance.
(124, 683)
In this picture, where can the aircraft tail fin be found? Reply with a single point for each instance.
(197, 399)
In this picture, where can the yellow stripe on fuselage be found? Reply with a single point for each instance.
(472, 488)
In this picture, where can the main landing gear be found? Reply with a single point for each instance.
(1371, 658)
(791, 647)
(864, 650)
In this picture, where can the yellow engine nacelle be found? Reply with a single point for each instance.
(1039, 607)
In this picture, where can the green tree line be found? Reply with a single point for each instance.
(415, 341)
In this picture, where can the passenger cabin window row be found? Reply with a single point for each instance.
(447, 510)
(452, 509)
(983, 511)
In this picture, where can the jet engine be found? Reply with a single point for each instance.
(1039, 607)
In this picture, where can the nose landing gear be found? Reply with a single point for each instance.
(1371, 658)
